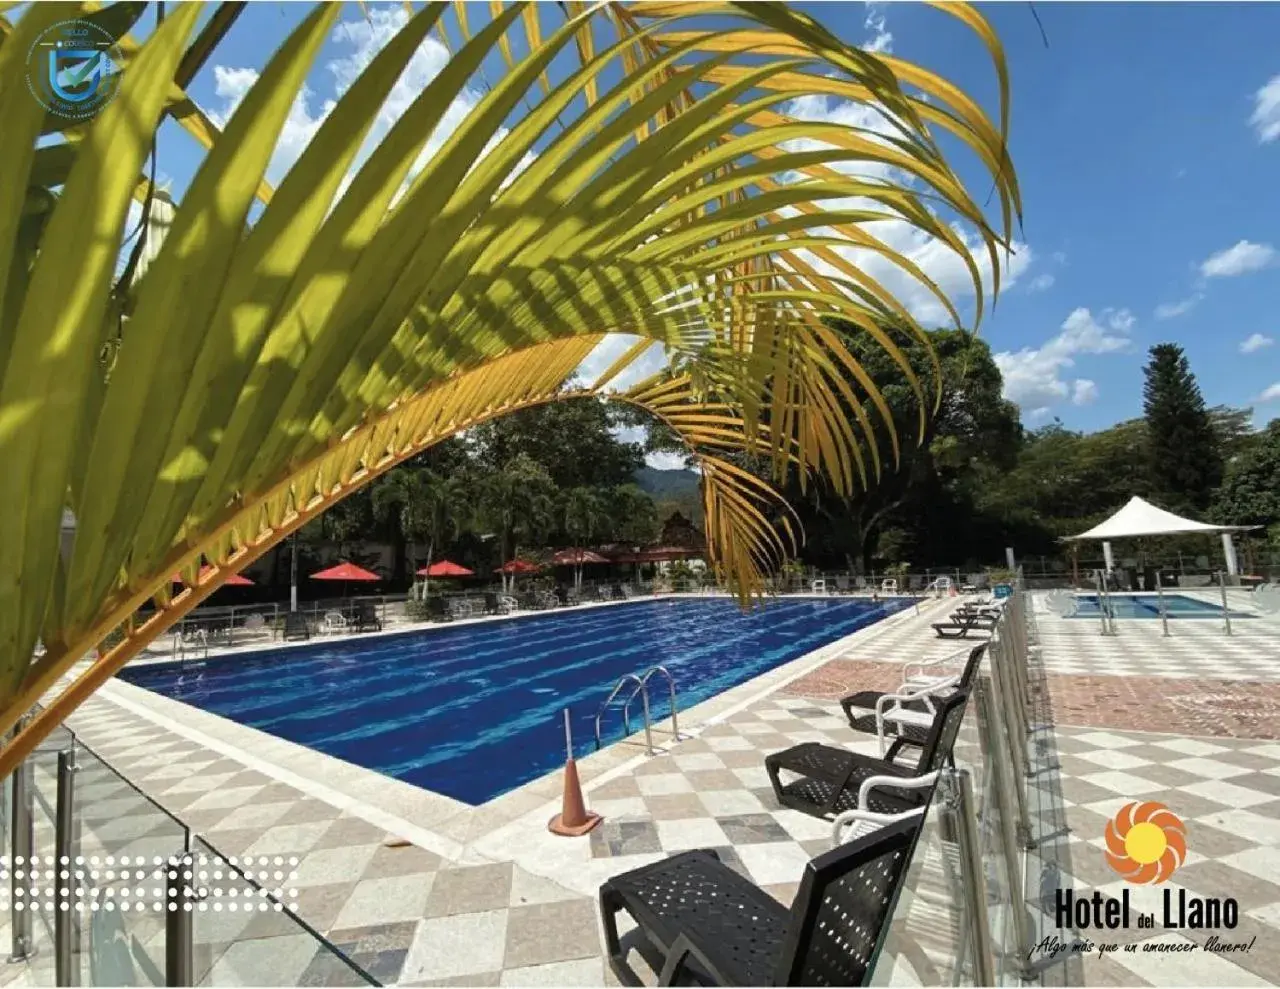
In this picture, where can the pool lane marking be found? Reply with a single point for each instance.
(811, 661)
(447, 848)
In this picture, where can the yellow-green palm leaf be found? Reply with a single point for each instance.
(266, 369)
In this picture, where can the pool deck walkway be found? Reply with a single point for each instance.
(479, 896)
(486, 896)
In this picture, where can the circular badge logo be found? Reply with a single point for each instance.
(1146, 842)
(73, 69)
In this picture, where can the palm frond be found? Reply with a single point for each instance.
(268, 368)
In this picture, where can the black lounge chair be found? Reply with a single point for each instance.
(563, 597)
(589, 593)
(960, 625)
(830, 777)
(367, 617)
(860, 708)
(296, 626)
(494, 605)
(712, 923)
(616, 593)
(438, 610)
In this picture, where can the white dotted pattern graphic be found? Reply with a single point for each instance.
(138, 883)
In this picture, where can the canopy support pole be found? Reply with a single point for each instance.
(1106, 555)
(1229, 552)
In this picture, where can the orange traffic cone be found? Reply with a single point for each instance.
(574, 819)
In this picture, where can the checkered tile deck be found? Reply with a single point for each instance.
(516, 906)
(1226, 791)
(1194, 648)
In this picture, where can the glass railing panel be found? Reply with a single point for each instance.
(42, 798)
(931, 937)
(244, 934)
(123, 843)
(928, 938)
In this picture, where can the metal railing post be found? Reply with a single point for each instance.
(1098, 581)
(1009, 828)
(20, 886)
(973, 884)
(1164, 615)
(1226, 611)
(179, 926)
(65, 960)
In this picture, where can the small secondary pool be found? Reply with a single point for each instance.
(473, 711)
(1148, 606)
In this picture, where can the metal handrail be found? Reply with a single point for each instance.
(671, 685)
(626, 717)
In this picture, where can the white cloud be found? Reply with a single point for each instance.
(361, 39)
(1041, 282)
(1168, 310)
(934, 257)
(613, 347)
(1271, 394)
(1033, 377)
(1084, 392)
(1266, 111)
(1239, 259)
(1255, 343)
(1120, 320)
(881, 40)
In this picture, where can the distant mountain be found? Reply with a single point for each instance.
(668, 485)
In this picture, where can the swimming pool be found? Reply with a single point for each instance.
(473, 711)
(1148, 606)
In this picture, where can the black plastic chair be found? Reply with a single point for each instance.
(860, 708)
(296, 626)
(712, 923)
(494, 606)
(961, 624)
(616, 593)
(830, 777)
(367, 617)
(438, 610)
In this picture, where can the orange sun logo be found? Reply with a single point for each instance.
(1146, 842)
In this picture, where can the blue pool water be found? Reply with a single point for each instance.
(1148, 606)
(473, 711)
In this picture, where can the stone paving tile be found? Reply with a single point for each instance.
(411, 918)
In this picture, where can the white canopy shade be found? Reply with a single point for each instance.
(1141, 518)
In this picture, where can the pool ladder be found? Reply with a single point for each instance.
(642, 688)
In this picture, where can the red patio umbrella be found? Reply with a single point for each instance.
(576, 558)
(517, 567)
(445, 568)
(442, 568)
(235, 580)
(344, 572)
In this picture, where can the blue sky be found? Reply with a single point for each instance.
(1147, 142)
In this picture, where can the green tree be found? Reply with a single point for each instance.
(517, 503)
(1184, 459)
(396, 498)
(582, 514)
(973, 424)
(633, 516)
(1250, 492)
(574, 442)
